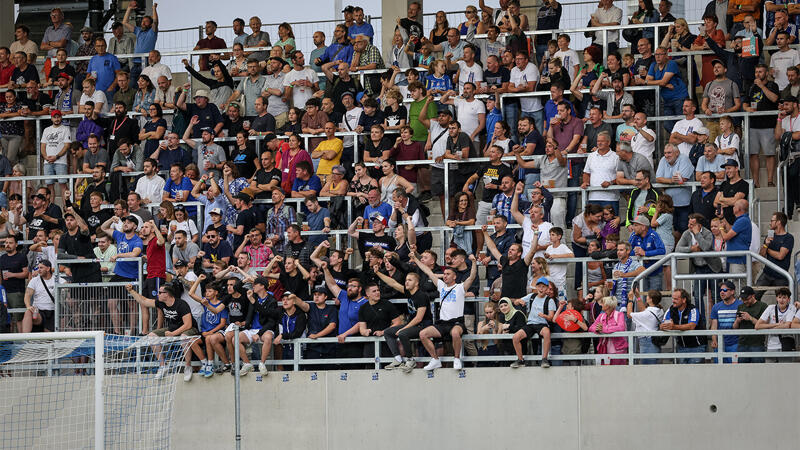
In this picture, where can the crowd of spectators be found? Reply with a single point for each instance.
(245, 258)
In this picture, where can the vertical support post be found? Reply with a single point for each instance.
(57, 295)
(585, 281)
(749, 268)
(746, 126)
(377, 345)
(446, 190)
(605, 43)
(721, 346)
(236, 388)
(630, 350)
(36, 146)
(659, 126)
(296, 357)
(141, 288)
(99, 398)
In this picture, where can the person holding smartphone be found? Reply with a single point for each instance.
(777, 248)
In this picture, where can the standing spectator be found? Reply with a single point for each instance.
(207, 112)
(340, 50)
(523, 78)
(257, 38)
(279, 217)
(209, 157)
(681, 134)
(6, 66)
(738, 236)
(741, 69)
(777, 316)
(645, 243)
(610, 320)
(12, 132)
(547, 18)
(146, 35)
(121, 43)
(250, 88)
(22, 43)
(211, 41)
(569, 57)
(709, 30)
(665, 73)
(14, 266)
(747, 316)
(470, 110)
(601, 171)
(762, 96)
(777, 248)
(57, 35)
(53, 149)
(103, 67)
(732, 189)
(676, 169)
(642, 197)
(721, 95)
(606, 15)
(702, 201)
(274, 91)
(723, 315)
(367, 57)
(301, 83)
(782, 60)
(684, 316)
(125, 93)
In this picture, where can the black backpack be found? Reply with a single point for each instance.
(696, 153)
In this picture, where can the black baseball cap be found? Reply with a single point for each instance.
(180, 263)
(131, 218)
(746, 292)
(719, 61)
(262, 281)
(731, 162)
(321, 289)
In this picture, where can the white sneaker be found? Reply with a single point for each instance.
(262, 369)
(409, 365)
(161, 372)
(246, 368)
(187, 374)
(433, 364)
(394, 365)
(457, 364)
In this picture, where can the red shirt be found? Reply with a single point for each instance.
(5, 74)
(209, 44)
(156, 260)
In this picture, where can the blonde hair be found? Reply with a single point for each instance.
(395, 94)
(681, 21)
(610, 302)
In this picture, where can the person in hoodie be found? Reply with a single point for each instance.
(261, 324)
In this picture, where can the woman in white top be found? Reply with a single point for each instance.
(647, 318)
(500, 138)
(391, 180)
(778, 316)
(181, 222)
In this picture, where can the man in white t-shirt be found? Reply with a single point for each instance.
(150, 187)
(569, 57)
(451, 311)
(469, 71)
(644, 141)
(781, 60)
(301, 82)
(682, 135)
(39, 299)
(470, 111)
(54, 147)
(601, 171)
(96, 96)
(524, 77)
(556, 249)
(606, 15)
(533, 226)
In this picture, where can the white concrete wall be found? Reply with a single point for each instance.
(653, 407)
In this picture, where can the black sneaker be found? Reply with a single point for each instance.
(545, 363)
(425, 196)
(222, 368)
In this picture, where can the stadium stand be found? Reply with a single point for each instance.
(337, 205)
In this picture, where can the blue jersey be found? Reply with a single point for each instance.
(725, 316)
(185, 185)
(348, 311)
(210, 319)
(127, 269)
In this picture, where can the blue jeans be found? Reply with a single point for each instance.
(511, 116)
(690, 350)
(748, 349)
(3, 200)
(681, 216)
(55, 169)
(672, 108)
(530, 180)
(555, 350)
(646, 346)
(728, 348)
(614, 204)
(572, 197)
(654, 282)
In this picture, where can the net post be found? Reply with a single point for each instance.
(237, 408)
(99, 398)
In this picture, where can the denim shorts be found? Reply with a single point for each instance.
(55, 169)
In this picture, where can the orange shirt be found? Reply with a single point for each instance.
(740, 17)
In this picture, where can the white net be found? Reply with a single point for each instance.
(48, 391)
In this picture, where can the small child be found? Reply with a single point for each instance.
(558, 272)
(213, 321)
(627, 62)
(552, 48)
(728, 141)
(424, 58)
(371, 116)
(572, 346)
(438, 82)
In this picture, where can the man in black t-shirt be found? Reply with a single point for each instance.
(419, 317)
(14, 267)
(777, 248)
(267, 178)
(514, 272)
(375, 316)
(732, 189)
(491, 173)
(378, 237)
(322, 322)
(178, 321)
(37, 218)
(759, 97)
(76, 242)
(246, 220)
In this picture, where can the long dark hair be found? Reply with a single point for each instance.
(648, 7)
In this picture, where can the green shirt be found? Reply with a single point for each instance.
(420, 131)
(755, 310)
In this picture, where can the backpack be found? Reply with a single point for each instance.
(696, 153)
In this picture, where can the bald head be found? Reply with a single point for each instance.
(740, 207)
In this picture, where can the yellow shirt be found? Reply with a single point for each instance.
(325, 165)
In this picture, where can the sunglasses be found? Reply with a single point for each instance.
(724, 290)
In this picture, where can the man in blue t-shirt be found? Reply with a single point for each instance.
(665, 73)
(146, 36)
(104, 67)
(178, 188)
(129, 245)
(350, 302)
(739, 236)
(723, 314)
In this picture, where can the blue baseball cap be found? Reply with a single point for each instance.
(543, 280)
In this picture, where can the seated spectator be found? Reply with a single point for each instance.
(153, 130)
(165, 93)
(610, 321)
(541, 309)
(630, 164)
(96, 156)
(181, 222)
(155, 68)
(125, 93)
(169, 152)
(778, 316)
(96, 96)
(183, 248)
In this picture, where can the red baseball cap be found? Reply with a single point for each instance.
(63, 75)
(56, 112)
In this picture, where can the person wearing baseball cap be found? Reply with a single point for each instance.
(210, 156)
(732, 189)
(207, 112)
(723, 315)
(726, 92)
(538, 304)
(616, 98)
(747, 316)
(645, 242)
